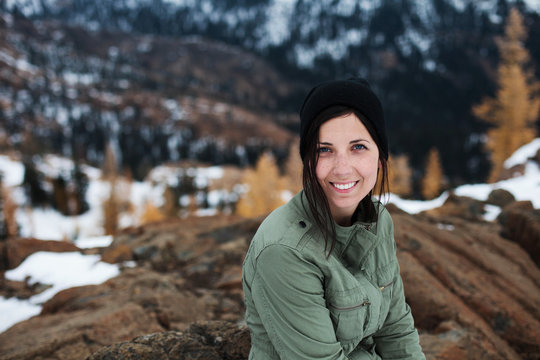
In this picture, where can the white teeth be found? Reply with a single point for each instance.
(344, 186)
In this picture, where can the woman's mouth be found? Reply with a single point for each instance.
(344, 186)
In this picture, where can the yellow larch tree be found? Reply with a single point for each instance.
(399, 175)
(151, 213)
(171, 207)
(516, 105)
(433, 176)
(111, 205)
(293, 169)
(265, 186)
(10, 227)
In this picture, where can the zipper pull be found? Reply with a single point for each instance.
(387, 285)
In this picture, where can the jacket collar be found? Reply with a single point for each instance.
(353, 242)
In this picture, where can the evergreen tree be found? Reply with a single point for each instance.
(32, 184)
(265, 187)
(400, 175)
(186, 185)
(80, 185)
(516, 105)
(60, 195)
(433, 176)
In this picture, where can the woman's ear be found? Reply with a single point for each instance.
(380, 164)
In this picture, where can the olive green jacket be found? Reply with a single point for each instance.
(301, 304)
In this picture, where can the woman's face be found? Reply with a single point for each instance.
(347, 166)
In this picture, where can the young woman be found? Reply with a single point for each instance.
(321, 277)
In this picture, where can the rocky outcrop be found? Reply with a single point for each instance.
(187, 271)
(460, 206)
(474, 293)
(521, 223)
(13, 251)
(500, 198)
(209, 340)
(466, 283)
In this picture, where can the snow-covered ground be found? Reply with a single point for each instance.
(61, 270)
(67, 270)
(525, 187)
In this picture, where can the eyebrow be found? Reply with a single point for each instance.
(350, 142)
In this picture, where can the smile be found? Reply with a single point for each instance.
(345, 186)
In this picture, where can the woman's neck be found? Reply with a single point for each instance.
(342, 219)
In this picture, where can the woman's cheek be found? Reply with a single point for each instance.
(322, 169)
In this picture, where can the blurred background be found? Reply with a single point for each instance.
(124, 122)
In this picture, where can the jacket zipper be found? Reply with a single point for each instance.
(366, 302)
(387, 285)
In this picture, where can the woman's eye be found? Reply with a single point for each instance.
(324, 150)
(359, 147)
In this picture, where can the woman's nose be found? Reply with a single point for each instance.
(342, 165)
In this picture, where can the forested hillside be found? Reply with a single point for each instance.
(221, 81)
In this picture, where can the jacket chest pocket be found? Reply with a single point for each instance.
(350, 312)
(386, 280)
(386, 292)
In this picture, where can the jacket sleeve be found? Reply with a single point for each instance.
(398, 338)
(288, 294)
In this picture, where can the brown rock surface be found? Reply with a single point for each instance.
(14, 251)
(460, 206)
(521, 223)
(117, 254)
(191, 275)
(473, 293)
(210, 340)
(20, 289)
(464, 272)
(500, 197)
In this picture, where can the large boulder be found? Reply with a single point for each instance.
(500, 198)
(521, 223)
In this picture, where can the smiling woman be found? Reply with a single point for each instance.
(347, 165)
(321, 277)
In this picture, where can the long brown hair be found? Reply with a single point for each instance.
(318, 203)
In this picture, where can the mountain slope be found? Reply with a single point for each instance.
(71, 91)
(430, 60)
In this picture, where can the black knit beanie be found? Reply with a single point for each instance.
(354, 93)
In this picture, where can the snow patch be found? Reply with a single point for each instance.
(417, 206)
(525, 187)
(523, 154)
(61, 271)
(12, 171)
